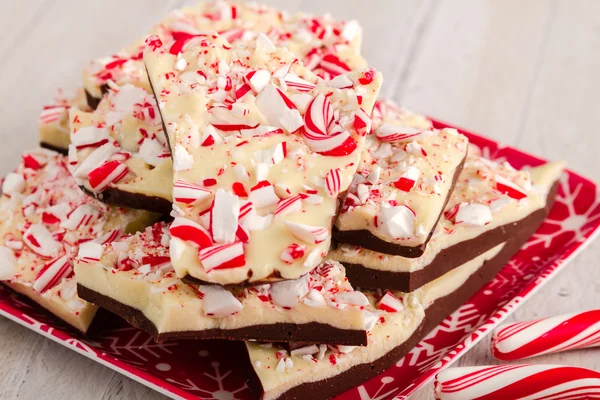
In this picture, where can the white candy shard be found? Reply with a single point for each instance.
(288, 293)
(390, 303)
(218, 302)
(396, 221)
(307, 233)
(474, 214)
(40, 240)
(224, 216)
(353, 298)
(13, 183)
(8, 263)
(90, 252)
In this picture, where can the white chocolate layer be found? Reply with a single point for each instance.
(475, 185)
(406, 163)
(54, 118)
(227, 146)
(127, 118)
(328, 46)
(135, 272)
(391, 330)
(44, 219)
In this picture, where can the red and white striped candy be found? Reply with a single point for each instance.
(501, 382)
(52, 274)
(390, 303)
(274, 104)
(89, 136)
(263, 194)
(189, 193)
(83, 215)
(109, 172)
(510, 189)
(108, 237)
(53, 113)
(34, 161)
(341, 82)
(408, 179)
(289, 206)
(258, 80)
(157, 262)
(210, 136)
(223, 256)
(332, 64)
(98, 157)
(90, 252)
(307, 233)
(549, 335)
(189, 231)
(319, 116)
(224, 217)
(396, 133)
(362, 122)
(40, 240)
(337, 145)
(295, 82)
(292, 253)
(333, 182)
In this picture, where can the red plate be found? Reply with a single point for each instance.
(201, 369)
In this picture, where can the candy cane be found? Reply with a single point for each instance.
(549, 335)
(517, 382)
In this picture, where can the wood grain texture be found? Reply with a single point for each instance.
(524, 73)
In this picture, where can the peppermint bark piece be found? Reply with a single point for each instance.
(404, 319)
(135, 280)
(407, 173)
(262, 148)
(119, 153)
(54, 119)
(45, 220)
(329, 47)
(491, 203)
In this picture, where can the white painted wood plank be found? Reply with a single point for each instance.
(522, 72)
(476, 63)
(562, 119)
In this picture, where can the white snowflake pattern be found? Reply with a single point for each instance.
(580, 224)
(218, 377)
(148, 347)
(378, 395)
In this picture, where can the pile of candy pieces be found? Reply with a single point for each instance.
(259, 138)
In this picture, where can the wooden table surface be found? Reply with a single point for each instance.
(526, 73)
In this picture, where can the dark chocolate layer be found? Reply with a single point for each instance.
(434, 315)
(366, 239)
(285, 332)
(447, 259)
(54, 148)
(137, 201)
(94, 101)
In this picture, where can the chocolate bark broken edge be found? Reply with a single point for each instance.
(448, 258)
(94, 101)
(137, 201)
(52, 147)
(281, 332)
(434, 315)
(365, 238)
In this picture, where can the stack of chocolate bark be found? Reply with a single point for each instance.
(280, 184)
